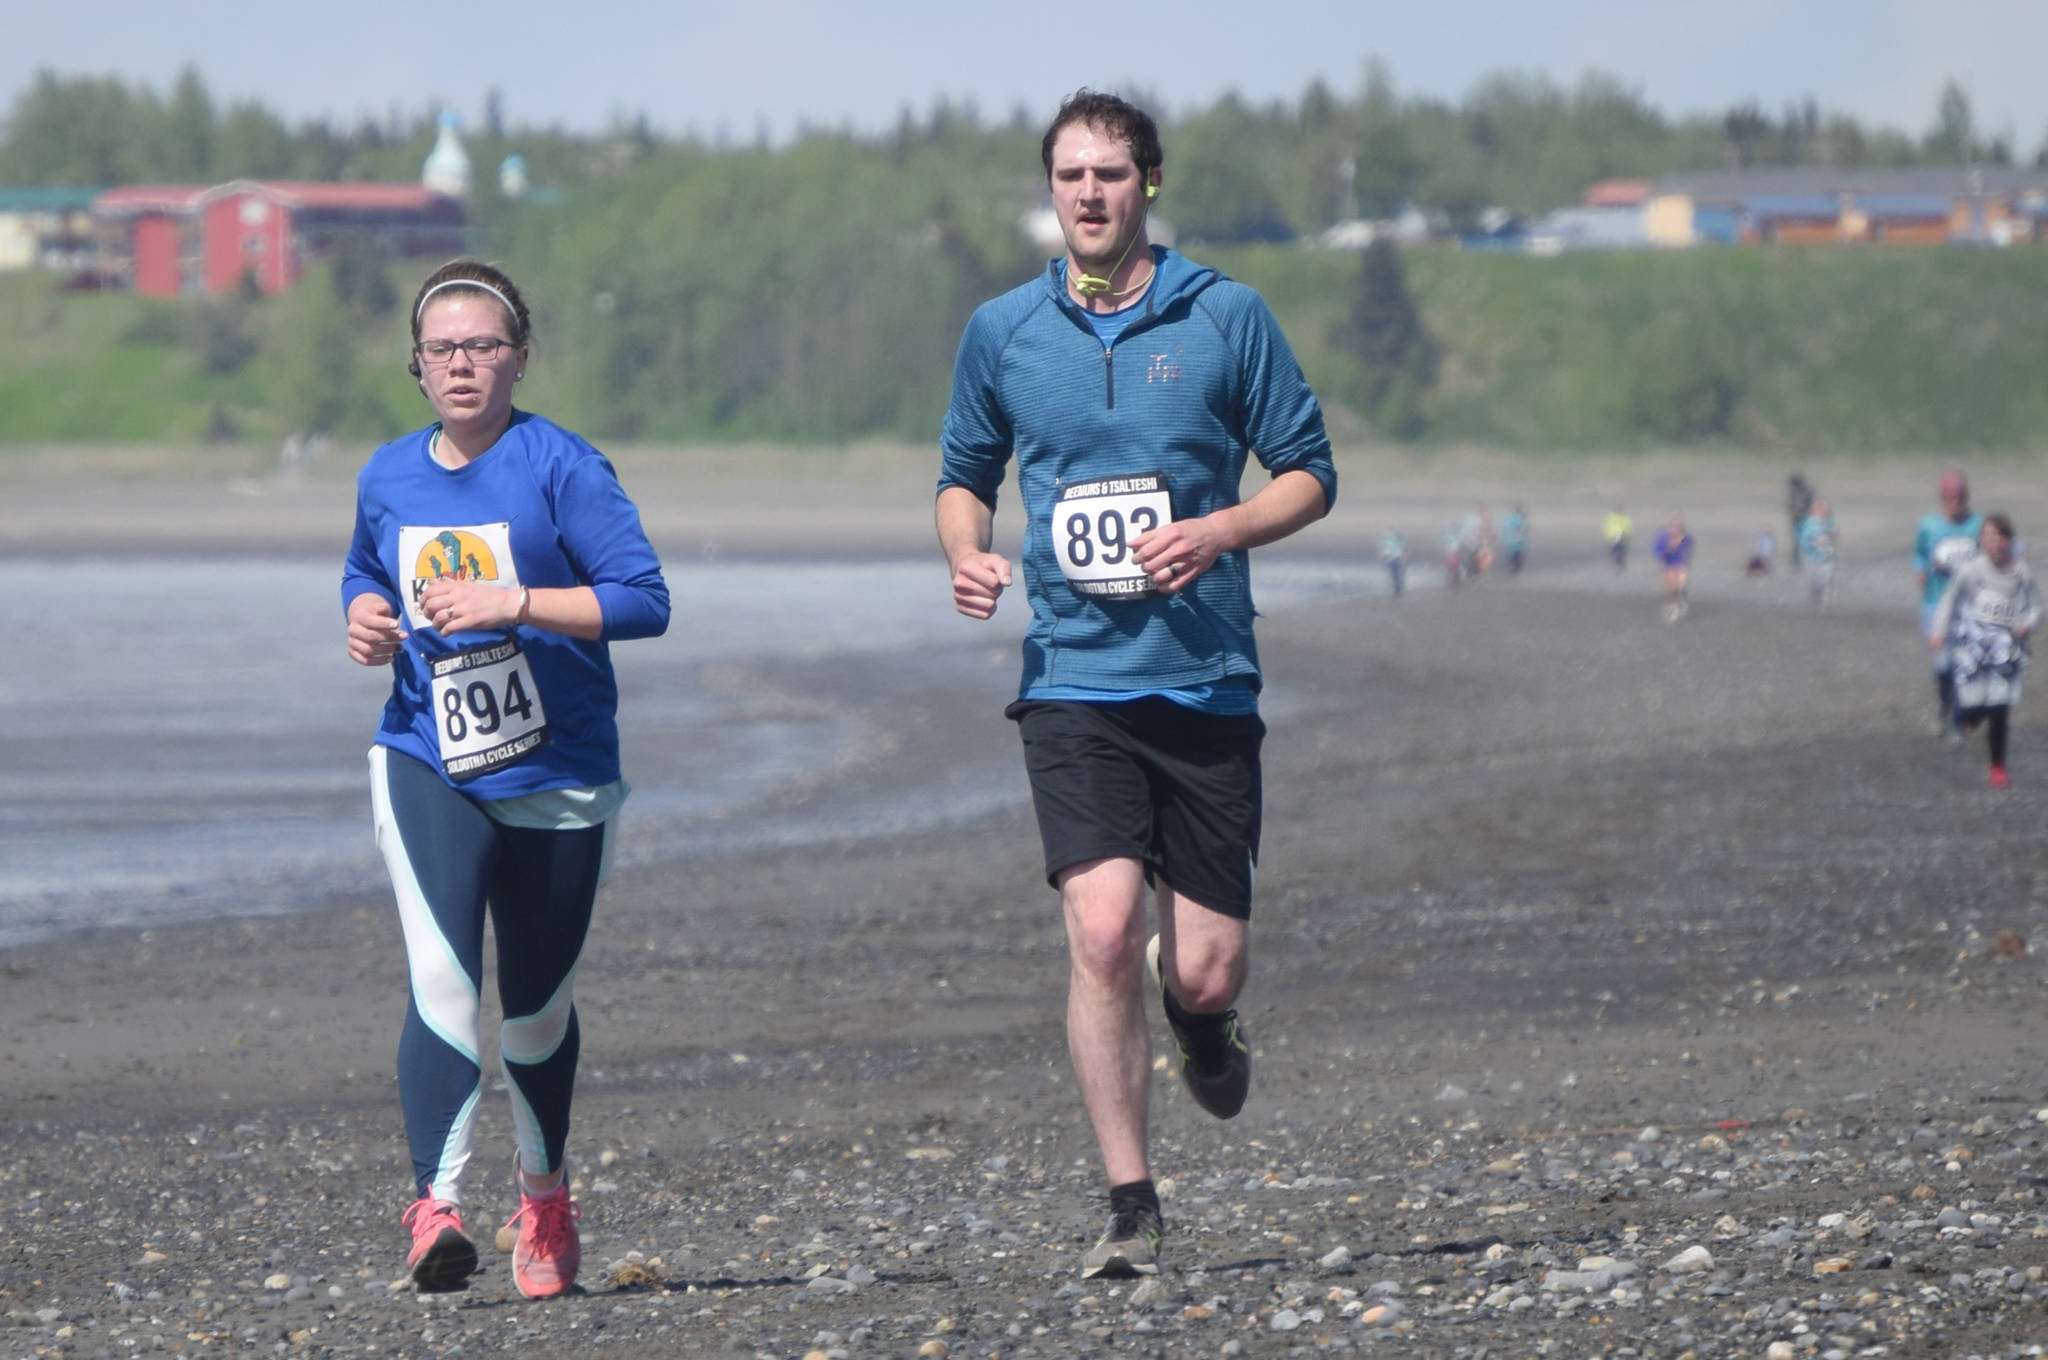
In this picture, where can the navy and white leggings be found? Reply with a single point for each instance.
(449, 862)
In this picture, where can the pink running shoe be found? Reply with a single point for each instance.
(545, 1258)
(442, 1255)
(1999, 778)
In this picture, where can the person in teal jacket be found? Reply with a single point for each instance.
(1131, 385)
(1945, 540)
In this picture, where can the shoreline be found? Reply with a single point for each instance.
(876, 502)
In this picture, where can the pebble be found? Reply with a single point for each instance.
(1690, 1261)
(1602, 1276)
(1151, 1293)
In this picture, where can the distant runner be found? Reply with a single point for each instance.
(1673, 551)
(1799, 496)
(1615, 532)
(1817, 544)
(1130, 384)
(1764, 551)
(1394, 553)
(1514, 539)
(1947, 538)
(1982, 624)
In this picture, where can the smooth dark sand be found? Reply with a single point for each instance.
(1578, 936)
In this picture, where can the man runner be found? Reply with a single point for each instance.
(1130, 383)
(1946, 539)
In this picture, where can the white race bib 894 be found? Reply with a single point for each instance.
(486, 708)
(1094, 525)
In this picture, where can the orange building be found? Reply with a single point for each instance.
(1830, 205)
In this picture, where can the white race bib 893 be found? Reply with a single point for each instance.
(1094, 524)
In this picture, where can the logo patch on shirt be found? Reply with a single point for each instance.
(471, 552)
(1163, 369)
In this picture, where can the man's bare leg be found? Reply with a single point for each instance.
(1107, 1036)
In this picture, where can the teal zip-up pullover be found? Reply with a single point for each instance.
(1201, 378)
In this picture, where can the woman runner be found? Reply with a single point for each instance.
(495, 556)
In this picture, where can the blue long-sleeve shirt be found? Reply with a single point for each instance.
(1200, 379)
(540, 509)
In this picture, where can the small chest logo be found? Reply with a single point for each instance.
(1162, 369)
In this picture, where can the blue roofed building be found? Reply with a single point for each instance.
(1832, 205)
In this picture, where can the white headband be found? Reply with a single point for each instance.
(421, 310)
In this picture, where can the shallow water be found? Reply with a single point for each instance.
(185, 736)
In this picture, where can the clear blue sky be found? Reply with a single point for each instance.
(712, 67)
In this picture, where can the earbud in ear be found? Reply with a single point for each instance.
(414, 369)
(1151, 192)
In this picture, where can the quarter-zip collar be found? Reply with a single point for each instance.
(1175, 278)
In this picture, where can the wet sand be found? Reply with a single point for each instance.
(1581, 941)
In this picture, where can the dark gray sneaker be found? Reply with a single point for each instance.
(1215, 1059)
(1129, 1246)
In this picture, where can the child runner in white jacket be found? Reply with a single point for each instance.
(1983, 623)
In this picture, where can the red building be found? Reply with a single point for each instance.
(143, 234)
(169, 240)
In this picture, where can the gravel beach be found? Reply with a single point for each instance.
(1619, 989)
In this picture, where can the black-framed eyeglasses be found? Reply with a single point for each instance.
(479, 347)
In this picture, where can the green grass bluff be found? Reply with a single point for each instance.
(829, 331)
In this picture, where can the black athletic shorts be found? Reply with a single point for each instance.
(1151, 780)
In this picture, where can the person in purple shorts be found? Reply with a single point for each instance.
(1673, 551)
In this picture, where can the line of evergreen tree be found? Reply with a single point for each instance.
(1238, 172)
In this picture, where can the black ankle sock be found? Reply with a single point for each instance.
(1134, 1195)
(1206, 1037)
(1182, 1015)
